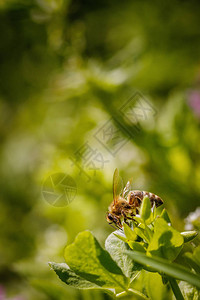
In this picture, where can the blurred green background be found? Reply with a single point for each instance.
(67, 68)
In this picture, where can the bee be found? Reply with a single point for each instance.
(126, 202)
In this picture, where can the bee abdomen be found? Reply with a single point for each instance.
(135, 198)
(153, 198)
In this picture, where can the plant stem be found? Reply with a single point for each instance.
(175, 288)
(122, 294)
(132, 292)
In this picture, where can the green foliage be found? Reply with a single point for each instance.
(189, 235)
(196, 255)
(155, 287)
(166, 241)
(117, 248)
(129, 233)
(162, 265)
(86, 257)
(150, 247)
(193, 259)
(165, 216)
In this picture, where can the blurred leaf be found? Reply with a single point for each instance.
(193, 259)
(196, 255)
(88, 260)
(191, 262)
(166, 241)
(162, 265)
(117, 249)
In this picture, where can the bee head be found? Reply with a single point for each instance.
(111, 218)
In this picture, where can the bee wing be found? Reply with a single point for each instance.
(117, 185)
(128, 187)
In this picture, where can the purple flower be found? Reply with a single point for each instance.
(194, 101)
(2, 293)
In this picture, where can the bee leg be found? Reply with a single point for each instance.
(120, 228)
(125, 216)
(118, 223)
(125, 221)
(130, 218)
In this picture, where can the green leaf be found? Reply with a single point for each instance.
(154, 212)
(161, 291)
(117, 249)
(141, 233)
(166, 241)
(88, 260)
(162, 265)
(189, 235)
(165, 216)
(121, 237)
(145, 210)
(148, 232)
(71, 278)
(137, 246)
(138, 220)
(129, 233)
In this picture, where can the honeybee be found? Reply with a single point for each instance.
(126, 202)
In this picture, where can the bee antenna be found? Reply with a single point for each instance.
(120, 228)
(112, 226)
(115, 227)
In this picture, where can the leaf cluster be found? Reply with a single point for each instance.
(148, 244)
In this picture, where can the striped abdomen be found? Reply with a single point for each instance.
(135, 198)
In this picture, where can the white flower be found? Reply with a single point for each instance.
(193, 220)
